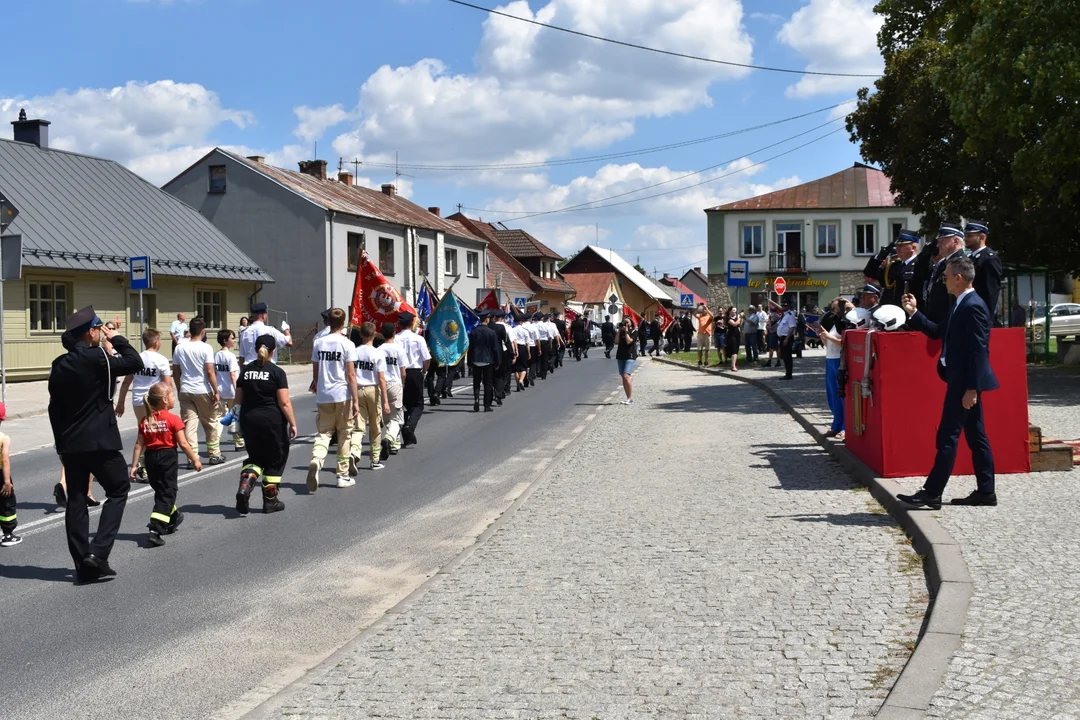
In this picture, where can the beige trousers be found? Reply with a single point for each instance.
(196, 410)
(334, 418)
(395, 395)
(370, 419)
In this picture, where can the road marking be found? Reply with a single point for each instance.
(562, 443)
(577, 430)
(590, 417)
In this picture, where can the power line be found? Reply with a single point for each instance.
(608, 156)
(657, 50)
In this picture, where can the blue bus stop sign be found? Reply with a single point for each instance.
(738, 273)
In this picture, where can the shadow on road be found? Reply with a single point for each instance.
(865, 519)
(223, 510)
(803, 467)
(29, 572)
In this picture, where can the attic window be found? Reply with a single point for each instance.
(217, 179)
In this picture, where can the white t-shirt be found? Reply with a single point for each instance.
(224, 366)
(370, 361)
(332, 352)
(323, 333)
(155, 367)
(192, 358)
(832, 350)
(415, 349)
(541, 331)
(253, 332)
(395, 361)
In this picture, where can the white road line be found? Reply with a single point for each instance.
(590, 417)
(577, 430)
(561, 444)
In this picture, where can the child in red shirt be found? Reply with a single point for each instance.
(160, 433)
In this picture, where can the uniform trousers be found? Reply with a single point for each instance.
(162, 468)
(413, 397)
(786, 350)
(198, 410)
(111, 471)
(370, 419)
(394, 393)
(266, 435)
(608, 345)
(484, 374)
(545, 358)
(334, 419)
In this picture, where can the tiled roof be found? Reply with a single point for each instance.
(495, 247)
(591, 288)
(510, 281)
(87, 213)
(859, 186)
(464, 232)
(521, 244)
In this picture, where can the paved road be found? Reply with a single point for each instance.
(233, 608)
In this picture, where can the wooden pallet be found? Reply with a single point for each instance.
(1050, 455)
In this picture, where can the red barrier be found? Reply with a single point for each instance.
(901, 416)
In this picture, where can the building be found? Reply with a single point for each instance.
(597, 294)
(308, 230)
(818, 236)
(531, 260)
(696, 281)
(684, 297)
(639, 292)
(80, 219)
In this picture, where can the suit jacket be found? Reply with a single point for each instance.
(654, 330)
(484, 346)
(607, 331)
(687, 325)
(965, 336)
(578, 329)
(81, 384)
(988, 274)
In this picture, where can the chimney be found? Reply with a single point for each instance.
(389, 190)
(345, 177)
(314, 168)
(698, 269)
(257, 158)
(35, 132)
(437, 212)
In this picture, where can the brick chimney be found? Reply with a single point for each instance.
(437, 212)
(35, 132)
(698, 269)
(314, 168)
(257, 158)
(389, 190)
(345, 177)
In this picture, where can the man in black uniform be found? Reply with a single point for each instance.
(687, 326)
(506, 345)
(655, 334)
(484, 356)
(607, 335)
(560, 325)
(949, 245)
(81, 385)
(896, 274)
(988, 267)
(870, 297)
(580, 335)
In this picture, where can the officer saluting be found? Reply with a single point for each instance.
(948, 246)
(87, 439)
(896, 272)
(988, 268)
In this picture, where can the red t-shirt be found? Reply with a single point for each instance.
(158, 431)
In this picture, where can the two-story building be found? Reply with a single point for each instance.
(818, 236)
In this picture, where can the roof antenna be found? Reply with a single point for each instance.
(397, 172)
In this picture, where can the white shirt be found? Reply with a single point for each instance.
(553, 330)
(332, 353)
(542, 332)
(155, 367)
(224, 366)
(832, 350)
(370, 361)
(762, 319)
(532, 332)
(253, 332)
(787, 324)
(414, 348)
(323, 333)
(519, 335)
(395, 361)
(177, 330)
(192, 357)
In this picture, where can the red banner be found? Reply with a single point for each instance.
(571, 316)
(665, 318)
(375, 299)
(490, 302)
(629, 312)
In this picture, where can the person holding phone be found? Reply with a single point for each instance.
(625, 354)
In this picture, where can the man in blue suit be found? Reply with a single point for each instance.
(965, 368)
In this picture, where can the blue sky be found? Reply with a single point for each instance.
(154, 84)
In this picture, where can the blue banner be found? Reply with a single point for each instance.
(423, 304)
(446, 333)
(468, 316)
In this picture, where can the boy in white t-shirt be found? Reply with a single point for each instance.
(372, 394)
(395, 384)
(335, 394)
(193, 367)
(227, 370)
(156, 368)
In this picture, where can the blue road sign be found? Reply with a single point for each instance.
(140, 272)
(738, 273)
(519, 301)
(685, 300)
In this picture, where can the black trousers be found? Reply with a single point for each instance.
(502, 376)
(413, 397)
(8, 519)
(955, 418)
(439, 380)
(162, 468)
(111, 471)
(560, 353)
(786, 351)
(580, 347)
(266, 437)
(544, 360)
(485, 375)
(608, 345)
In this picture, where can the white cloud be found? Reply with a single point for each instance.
(313, 122)
(834, 36)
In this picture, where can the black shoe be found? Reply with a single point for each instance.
(98, 565)
(408, 437)
(91, 502)
(487, 408)
(446, 395)
(385, 446)
(272, 506)
(242, 502)
(155, 539)
(175, 522)
(88, 576)
(921, 499)
(977, 498)
(60, 495)
(498, 401)
(476, 407)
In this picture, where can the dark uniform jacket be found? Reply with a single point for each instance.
(560, 325)
(893, 276)
(578, 330)
(81, 384)
(936, 294)
(607, 331)
(484, 346)
(504, 338)
(988, 274)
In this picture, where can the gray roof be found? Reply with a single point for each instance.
(86, 213)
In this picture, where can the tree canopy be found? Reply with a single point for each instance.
(978, 115)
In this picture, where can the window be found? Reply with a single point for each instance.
(472, 264)
(386, 255)
(356, 243)
(49, 306)
(450, 256)
(864, 238)
(217, 178)
(424, 260)
(895, 226)
(827, 239)
(752, 235)
(208, 304)
(788, 238)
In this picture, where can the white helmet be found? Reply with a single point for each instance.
(860, 318)
(890, 317)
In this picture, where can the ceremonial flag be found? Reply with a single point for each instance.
(629, 312)
(423, 303)
(490, 302)
(570, 314)
(375, 299)
(446, 334)
(665, 318)
(511, 314)
(467, 316)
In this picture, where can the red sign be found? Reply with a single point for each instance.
(781, 285)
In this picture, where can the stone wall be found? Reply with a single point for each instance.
(719, 296)
(850, 283)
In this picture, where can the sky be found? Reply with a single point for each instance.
(155, 84)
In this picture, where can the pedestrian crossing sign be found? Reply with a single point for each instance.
(686, 300)
(519, 301)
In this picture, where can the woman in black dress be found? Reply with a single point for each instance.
(268, 424)
(733, 340)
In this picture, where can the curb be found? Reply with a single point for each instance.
(947, 576)
(270, 707)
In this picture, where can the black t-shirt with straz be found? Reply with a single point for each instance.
(627, 349)
(259, 384)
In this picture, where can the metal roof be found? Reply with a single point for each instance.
(78, 212)
(859, 186)
(647, 286)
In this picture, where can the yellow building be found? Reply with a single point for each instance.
(80, 219)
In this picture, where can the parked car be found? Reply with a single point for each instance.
(1064, 320)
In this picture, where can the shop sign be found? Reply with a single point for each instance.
(792, 283)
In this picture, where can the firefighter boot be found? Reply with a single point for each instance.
(249, 478)
(271, 504)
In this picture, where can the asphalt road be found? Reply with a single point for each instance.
(233, 608)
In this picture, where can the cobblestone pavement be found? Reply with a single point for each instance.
(693, 556)
(1020, 655)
